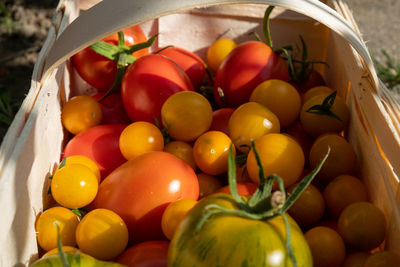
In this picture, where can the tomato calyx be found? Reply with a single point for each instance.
(263, 204)
(325, 107)
(121, 54)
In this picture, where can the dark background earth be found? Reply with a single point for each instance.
(24, 25)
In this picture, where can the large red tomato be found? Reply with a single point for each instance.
(191, 64)
(146, 254)
(101, 144)
(148, 83)
(112, 109)
(99, 71)
(245, 67)
(141, 189)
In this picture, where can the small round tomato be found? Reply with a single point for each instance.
(249, 122)
(148, 83)
(362, 226)
(141, 189)
(112, 108)
(245, 67)
(80, 113)
(343, 191)
(218, 51)
(146, 254)
(297, 132)
(99, 71)
(309, 207)
(102, 234)
(190, 63)
(139, 138)
(220, 121)
(355, 259)
(186, 115)
(208, 184)
(83, 160)
(174, 214)
(327, 247)
(74, 186)
(316, 123)
(100, 144)
(313, 78)
(210, 152)
(280, 155)
(281, 98)
(341, 160)
(182, 150)
(46, 229)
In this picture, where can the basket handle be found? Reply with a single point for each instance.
(110, 16)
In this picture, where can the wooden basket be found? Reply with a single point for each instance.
(33, 145)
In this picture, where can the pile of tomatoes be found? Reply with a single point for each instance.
(143, 158)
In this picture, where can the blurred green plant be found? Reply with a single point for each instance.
(8, 107)
(7, 24)
(389, 72)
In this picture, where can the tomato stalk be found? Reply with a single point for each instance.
(121, 54)
(325, 107)
(264, 204)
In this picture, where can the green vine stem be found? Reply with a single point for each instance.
(325, 107)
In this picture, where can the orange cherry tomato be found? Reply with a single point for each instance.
(210, 152)
(146, 254)
(281, 98)
(80, 113)
(183, 151)
(83, 160)
(208, 184)
(139, 138)
(217, 52)
(249, 122)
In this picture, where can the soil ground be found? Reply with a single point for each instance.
(29, 20)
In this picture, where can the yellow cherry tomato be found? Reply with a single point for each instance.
(186, 115)
(317, 122)
(249, 122)
(317, 90)
(174, 214)
(281, 98)
(66, 249)
(139, 138)
(183, 151)
(208, 184)
(83, 160)
(341, 160)
(102, 234)
(46, 229)
(74, 186)
(210, 152)
(217, 52)
(280, 154)
(80, 113)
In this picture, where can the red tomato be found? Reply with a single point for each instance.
(148, 83)
(141, 189)
(191, 64)
(220, 120)
(112, 109)
(146, 254)
(244, 189)
(101, 144)
(245, 67)
(313, 79)
(99, 71)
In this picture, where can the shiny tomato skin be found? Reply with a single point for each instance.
(112, 109)
(246, 66)
(148, 83)
(99, 71)
(191, 63)
(141, 189)
(146, 254)
(101, 144)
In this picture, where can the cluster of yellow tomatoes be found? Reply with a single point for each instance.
(292, 132)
